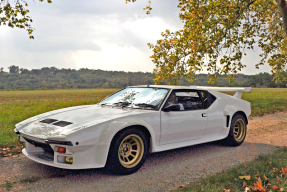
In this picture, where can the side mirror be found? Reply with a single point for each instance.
(174, 107)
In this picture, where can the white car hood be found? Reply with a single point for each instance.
(80, 117)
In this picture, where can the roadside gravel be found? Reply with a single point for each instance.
(161, 172)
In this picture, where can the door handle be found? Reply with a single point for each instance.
(204, 115)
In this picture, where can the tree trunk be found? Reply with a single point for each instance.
(283, 11)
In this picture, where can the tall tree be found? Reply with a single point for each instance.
(215, 37)
(14, 69)
(17, 15)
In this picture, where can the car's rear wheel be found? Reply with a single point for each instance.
(127, 152)
(237, 132)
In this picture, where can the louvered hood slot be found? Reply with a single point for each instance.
(62, 123)
(48, 121)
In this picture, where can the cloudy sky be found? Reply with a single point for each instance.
(94, 34)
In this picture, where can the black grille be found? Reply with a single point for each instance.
(46, 147)
(62, 123)
(48, 121)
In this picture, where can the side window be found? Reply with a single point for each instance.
(207, 98)
(187, 99)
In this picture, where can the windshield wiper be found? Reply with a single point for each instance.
(145, 105)
(122, 104)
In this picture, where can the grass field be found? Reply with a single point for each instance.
(16, 106)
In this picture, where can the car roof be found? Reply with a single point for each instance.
(213, 90)
(171, 87)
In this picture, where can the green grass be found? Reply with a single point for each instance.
(16, 106)
(269, 165)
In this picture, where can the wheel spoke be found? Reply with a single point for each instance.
(127, 159)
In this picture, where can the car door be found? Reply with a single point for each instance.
(217, 121)
(186, 124)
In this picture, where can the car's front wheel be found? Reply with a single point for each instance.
(127, 152)
(237, 132)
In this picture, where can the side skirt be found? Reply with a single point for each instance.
(186, 143)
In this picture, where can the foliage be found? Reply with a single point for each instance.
(54, 78)
(17, 15)
(215, 36)
(13, 69)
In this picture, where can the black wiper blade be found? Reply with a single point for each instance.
(122, 104)
(145, 105)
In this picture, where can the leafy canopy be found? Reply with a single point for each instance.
(216, 35)
(17, 15)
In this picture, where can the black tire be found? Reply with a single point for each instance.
(127, 152)
(237, 132)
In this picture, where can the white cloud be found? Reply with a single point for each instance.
(114, 58)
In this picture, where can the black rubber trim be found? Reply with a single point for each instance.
(227, 120)
(44, 146)
(59, 142)
(16, 131)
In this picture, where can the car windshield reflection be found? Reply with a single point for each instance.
(137, 97)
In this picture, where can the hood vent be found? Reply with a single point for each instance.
(48, 121)
(58, 123)
(62, 123)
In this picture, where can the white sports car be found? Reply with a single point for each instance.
(118, 132)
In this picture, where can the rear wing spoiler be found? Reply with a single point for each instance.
(239, 90)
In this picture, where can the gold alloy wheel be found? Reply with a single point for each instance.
(239, 130)
(131, 151)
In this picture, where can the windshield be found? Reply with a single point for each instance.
(137, 97)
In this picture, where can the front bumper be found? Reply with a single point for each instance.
(84, 157)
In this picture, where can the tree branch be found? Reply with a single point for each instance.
(283, 11)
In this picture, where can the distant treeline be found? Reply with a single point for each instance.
(54, 78)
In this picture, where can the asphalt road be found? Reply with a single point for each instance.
(161, 172)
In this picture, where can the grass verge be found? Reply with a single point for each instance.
(267, 173)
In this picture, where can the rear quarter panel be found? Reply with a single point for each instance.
(225, 105)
